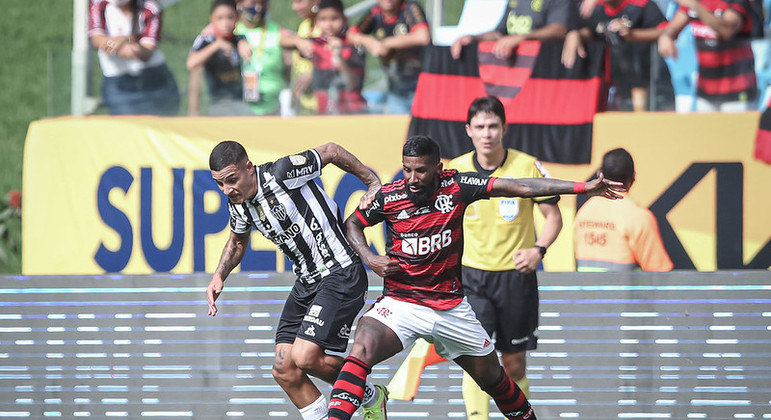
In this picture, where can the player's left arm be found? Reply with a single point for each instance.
(541, 187)
(726, 25)
(345, 160)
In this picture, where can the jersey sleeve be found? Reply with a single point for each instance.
(647, 246)
(474, 186)
(652, 16)
(562, 11)
(96, 22)
(503, 23)
(237, 223)
(366, 25)
(374, 214)
(415, 17)
(296, 170)
(153, 19)
(201, 41)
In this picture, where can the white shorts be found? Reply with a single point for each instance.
(454, 332)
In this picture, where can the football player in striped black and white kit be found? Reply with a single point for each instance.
(281, 200)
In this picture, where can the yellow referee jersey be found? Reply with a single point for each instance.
(494, 229)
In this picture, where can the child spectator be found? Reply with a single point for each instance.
(397, 32)
(216, 52)
(263, 75)
(338, 67)
(136, 78)
(302, 68)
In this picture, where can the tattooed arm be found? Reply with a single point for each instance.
(231, 257)
(539, 187)
(380, 264)
(345, 160)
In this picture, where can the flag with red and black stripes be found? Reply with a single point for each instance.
(549, 108)
(763, 139)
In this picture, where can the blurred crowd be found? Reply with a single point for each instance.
(246, 64)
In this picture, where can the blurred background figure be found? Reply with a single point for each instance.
(263, 75)
(396, 31)
(722, 28)
(338, 66)
(629, 28)
(136, 78)
(301, 76)
(618, 235)
(215, 54)
(539, 20)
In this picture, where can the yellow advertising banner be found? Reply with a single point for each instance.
(134, 194)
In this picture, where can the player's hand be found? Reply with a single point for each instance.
(527, 260)
(383, 266)
(213, 292)
(368, 197)
(244, 50)
(305, 47)
(457, 46)
(605, 188)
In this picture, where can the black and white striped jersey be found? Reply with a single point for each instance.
(296, 214)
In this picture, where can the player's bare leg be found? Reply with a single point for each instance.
(373, 343)
(297, 385)
(491, 377)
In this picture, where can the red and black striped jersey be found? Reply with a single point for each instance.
(427, 239)
(726, 67)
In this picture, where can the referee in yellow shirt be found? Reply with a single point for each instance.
(500, 249)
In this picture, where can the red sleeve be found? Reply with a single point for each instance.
(490, 183)
(361, 217)
(152, 17)
(96, 23)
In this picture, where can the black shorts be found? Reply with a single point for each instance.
(326, 316)
(506, 303)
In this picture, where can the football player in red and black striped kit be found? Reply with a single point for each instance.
(423, 296)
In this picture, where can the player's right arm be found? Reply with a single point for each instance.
(232, 255)
(354, 230)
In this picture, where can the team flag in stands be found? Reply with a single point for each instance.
(549, 108)
(763, 140)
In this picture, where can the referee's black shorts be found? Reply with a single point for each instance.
(325, 317)
(506, 303)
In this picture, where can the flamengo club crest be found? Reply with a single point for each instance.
(443, 203)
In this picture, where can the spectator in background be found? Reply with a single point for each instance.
(263, 75)
(338, 67)
(629, 28)
(500, 249)
(722, 28)
(136, 78)
(397, 32)
(219, 55)
(523, 20)
(302, 68)
(618, 235)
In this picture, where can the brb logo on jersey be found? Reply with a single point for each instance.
(424, 245)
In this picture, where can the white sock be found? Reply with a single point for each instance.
(317, 410)
(371, 394)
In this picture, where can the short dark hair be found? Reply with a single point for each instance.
(332, 4)
(225, 154)
(217, 3)
(486, 104)
(419, 146)
(618, 165)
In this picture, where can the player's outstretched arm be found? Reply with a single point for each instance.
(335, 154)
(539, 187)
(380, 264)
(232, 255)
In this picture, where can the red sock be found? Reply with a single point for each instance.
(348, 389)
(510, 399)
